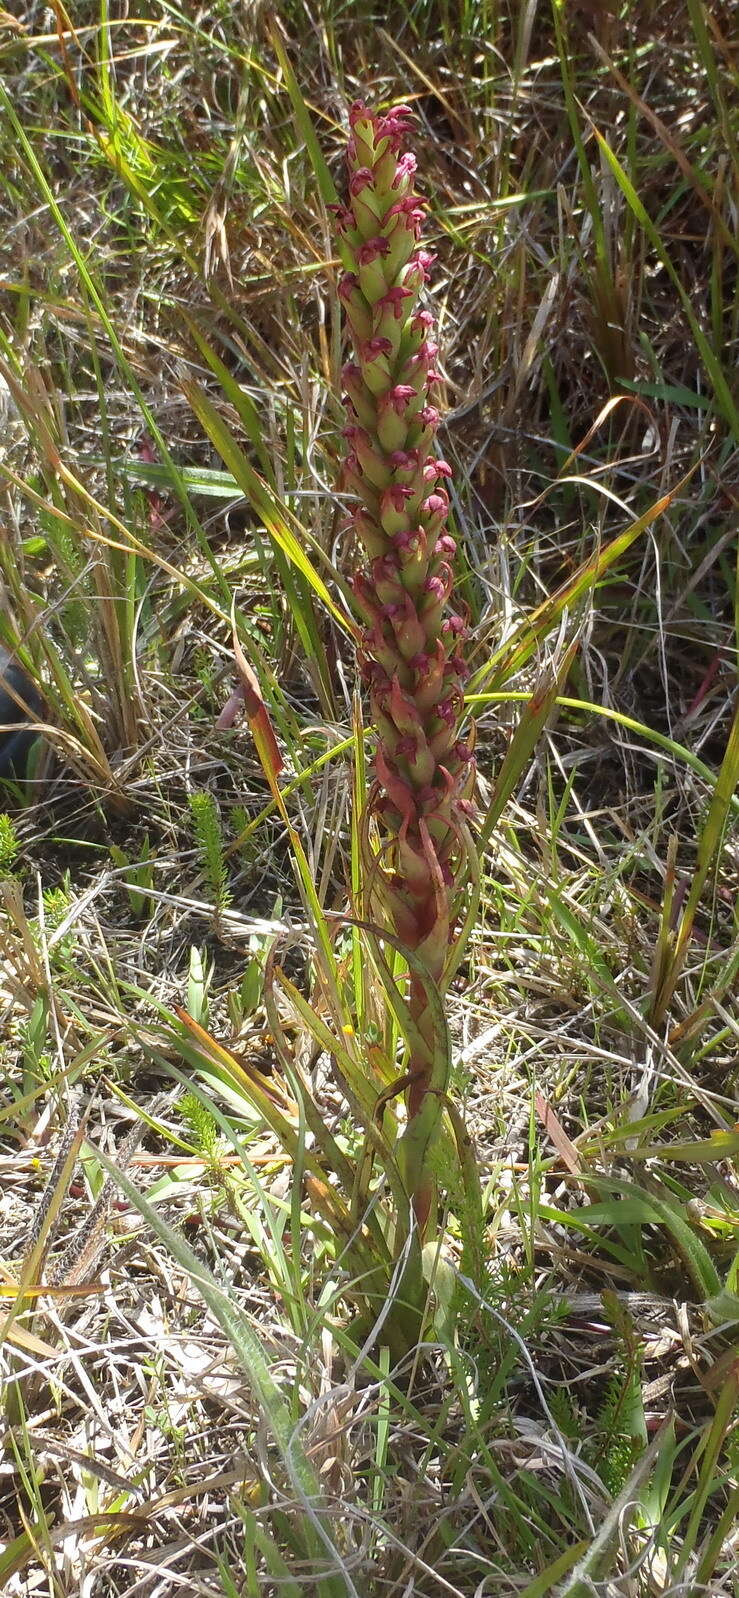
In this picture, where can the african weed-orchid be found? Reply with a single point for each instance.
(412, 651)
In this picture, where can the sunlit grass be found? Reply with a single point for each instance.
(174, 944)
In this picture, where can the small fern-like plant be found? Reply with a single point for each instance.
(206, 818)
(9, 844)
(202, 1126)
(621, 1431)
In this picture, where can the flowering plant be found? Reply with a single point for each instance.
(412, 644)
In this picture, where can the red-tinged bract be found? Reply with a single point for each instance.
(412, 657)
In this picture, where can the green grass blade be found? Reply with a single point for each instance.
(304, 122)
(255, 1365)
(531, 724)
(288, 535)
(722, 391)
(708, 850)
(676, 750)
(527, 638)
(598, 1561)
(242, 402)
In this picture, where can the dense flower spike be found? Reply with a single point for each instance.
(413, 645)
